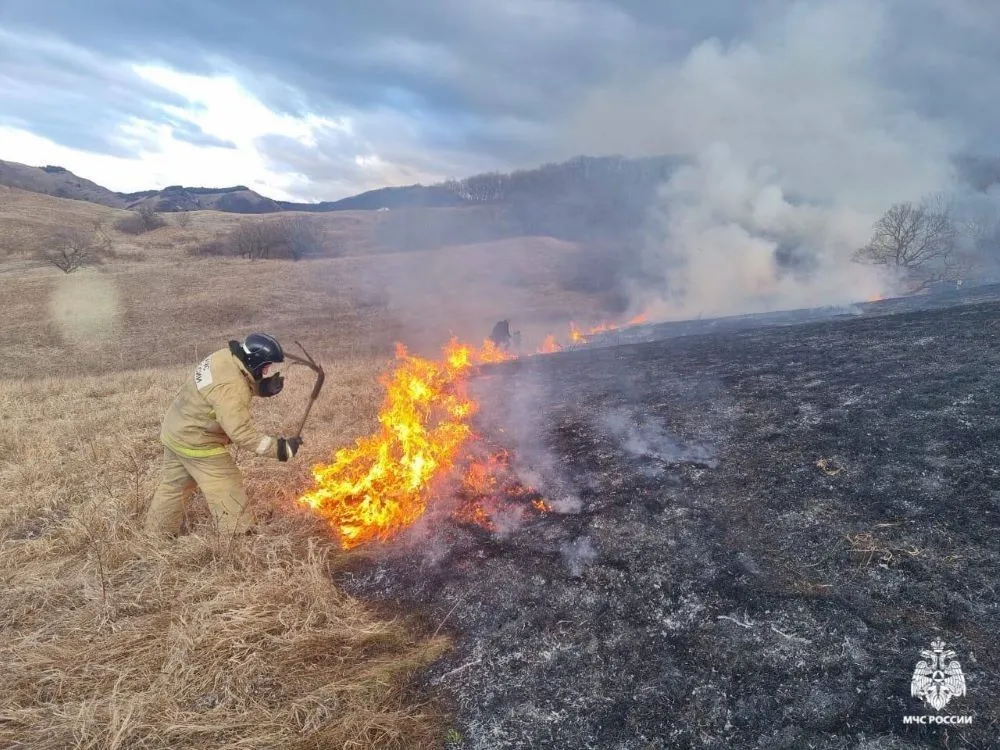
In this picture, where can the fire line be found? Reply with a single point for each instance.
(424, 445)
(383, 483)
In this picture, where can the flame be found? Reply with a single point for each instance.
(549, 345)
(384, 482)
(491, 353)
(475, 514)
(491, 489)
(581, 336)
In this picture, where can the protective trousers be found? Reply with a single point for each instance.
(220, 482)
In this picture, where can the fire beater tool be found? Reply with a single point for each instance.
(317, 386)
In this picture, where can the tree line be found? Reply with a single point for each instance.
(583, 199)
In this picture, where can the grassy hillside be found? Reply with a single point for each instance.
(156, 285)
(114, 640)
(239, 199)
(58, 182)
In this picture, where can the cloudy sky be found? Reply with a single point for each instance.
(313, 100)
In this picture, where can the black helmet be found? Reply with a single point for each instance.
(256, 351)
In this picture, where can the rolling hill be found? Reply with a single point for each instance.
(588, 186)
(57, 182)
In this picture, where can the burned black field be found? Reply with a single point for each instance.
(752, 536)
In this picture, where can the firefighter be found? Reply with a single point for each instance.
(502, 336)
(212, 410)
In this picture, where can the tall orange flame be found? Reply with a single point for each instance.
(382, 484)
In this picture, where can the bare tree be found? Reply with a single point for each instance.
(919, 241)
(143, 219)
(71, 250)
(151, 218)
(183, 219)
(212, 247)
(248, 239)
(263, 239)
(301, 236)
(100, 237)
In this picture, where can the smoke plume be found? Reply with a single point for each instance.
(578, 554)
(641, 437)
(516, 411)
(797, 145)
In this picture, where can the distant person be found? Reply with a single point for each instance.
(212, 410)
(502, 336)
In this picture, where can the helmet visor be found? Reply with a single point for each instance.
(273, 368)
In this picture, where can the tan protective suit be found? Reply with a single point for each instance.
(211, 410)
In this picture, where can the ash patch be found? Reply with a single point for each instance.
(768, 527)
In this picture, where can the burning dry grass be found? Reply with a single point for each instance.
(385, 481)
(115, 640)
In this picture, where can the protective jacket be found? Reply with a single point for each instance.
(212, 410)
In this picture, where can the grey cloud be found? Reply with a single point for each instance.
(944, 57)
(189, 132)
(476, 79)
(496, 56)
(329, 170)
(450, 85)
(73, 96)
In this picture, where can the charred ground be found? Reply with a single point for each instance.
(754, 533)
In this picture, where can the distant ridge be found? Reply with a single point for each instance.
(576, 186)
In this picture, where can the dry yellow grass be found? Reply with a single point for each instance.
(159, 306)
(28, 219)
(111, 639)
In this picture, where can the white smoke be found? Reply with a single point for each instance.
(798, 145)
(642, 437)
(578, 554)
(507, 520)
(520, 417)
